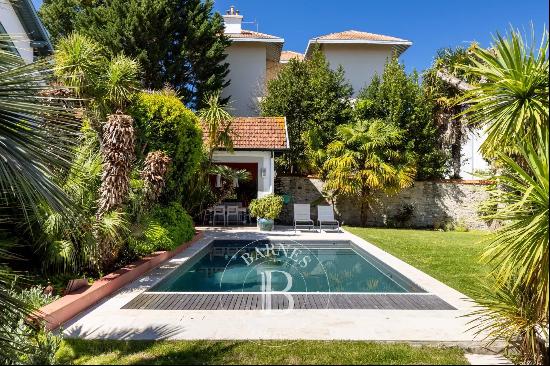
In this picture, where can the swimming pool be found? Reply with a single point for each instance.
(285, 266)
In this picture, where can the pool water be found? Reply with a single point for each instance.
(269, 266)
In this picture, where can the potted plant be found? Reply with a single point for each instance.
(266, 209)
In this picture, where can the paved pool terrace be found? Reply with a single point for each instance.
(437, 315)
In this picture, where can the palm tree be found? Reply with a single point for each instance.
(108, 84)
(364, 160)
(218, 122)
(37, 136)
(511, 102)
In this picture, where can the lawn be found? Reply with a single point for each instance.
(451, 257)
(249, 352)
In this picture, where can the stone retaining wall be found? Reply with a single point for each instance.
(435, 203)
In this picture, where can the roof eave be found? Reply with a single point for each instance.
(401, 46)
(33, 26)
(261, 40)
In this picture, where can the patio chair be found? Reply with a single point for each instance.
(302, 216)
(219, 211)
(232, 213)
(325, 216)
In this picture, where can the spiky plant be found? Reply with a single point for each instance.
(36, 144)
(511, 102)
(154, 174)
(118, 155)
(218, 123)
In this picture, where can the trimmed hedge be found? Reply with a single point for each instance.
(164, 228)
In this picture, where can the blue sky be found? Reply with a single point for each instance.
(429, 24)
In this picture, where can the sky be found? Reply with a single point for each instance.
(429, 24)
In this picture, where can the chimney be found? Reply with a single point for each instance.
(232, 20)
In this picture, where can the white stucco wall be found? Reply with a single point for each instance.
(266, 184)
(247, 72)
(472, 159)
(15, 29)
(360, 61)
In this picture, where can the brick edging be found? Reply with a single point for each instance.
(68, 306)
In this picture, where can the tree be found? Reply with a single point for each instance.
(399, 99)
(179, 43)
(314, 99)
(109, 84)
(366, 159)
(512, 101)
(218, 122)
(37, 134)
(445, 83)
(512, 104)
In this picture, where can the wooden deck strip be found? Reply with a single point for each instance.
(238, 301)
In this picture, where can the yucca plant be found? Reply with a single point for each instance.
(154, 174)
(37, 136)
(511, 101)
(364, 160)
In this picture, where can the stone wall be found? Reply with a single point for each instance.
(434, 203)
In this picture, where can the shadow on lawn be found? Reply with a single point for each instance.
(153, 352)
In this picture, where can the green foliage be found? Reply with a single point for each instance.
(367, 157)
(314, 99)
(164, 228)
(512, 102)
(268, 207)
(83, 64)
(512, 105)
(163, 123)
(218, 123)
(34, 296)
(398, 98)
(180, 43)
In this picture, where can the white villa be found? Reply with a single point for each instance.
(28, 37)
(255, 58)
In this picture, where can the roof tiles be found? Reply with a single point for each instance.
(257, 133)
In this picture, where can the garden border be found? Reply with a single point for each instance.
(70, 305)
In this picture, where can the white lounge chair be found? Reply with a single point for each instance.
(325, 216)
(302, 216)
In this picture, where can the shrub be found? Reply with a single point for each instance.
(164, 228)
(34, 296)
(163, 123)
(267, 207)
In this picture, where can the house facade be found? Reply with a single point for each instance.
(254, 58)
(25, 33)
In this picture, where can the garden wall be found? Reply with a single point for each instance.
(435, 202)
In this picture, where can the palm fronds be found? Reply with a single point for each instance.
(511, 102)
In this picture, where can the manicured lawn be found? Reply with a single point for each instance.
(450, 257)
(249, 352)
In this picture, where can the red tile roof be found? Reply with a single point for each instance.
(257, 133)
(287, 55)
(250, 34)
(357, 35)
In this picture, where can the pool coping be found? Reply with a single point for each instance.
(65, 308)
(106, 320)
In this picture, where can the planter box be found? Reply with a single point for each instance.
(70, 305)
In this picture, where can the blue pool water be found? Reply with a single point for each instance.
(321, 266)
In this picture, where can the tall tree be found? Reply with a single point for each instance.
(314, 99)
(176, 42)
(398, 98)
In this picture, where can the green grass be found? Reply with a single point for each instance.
(249, 352)
(451, 257)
